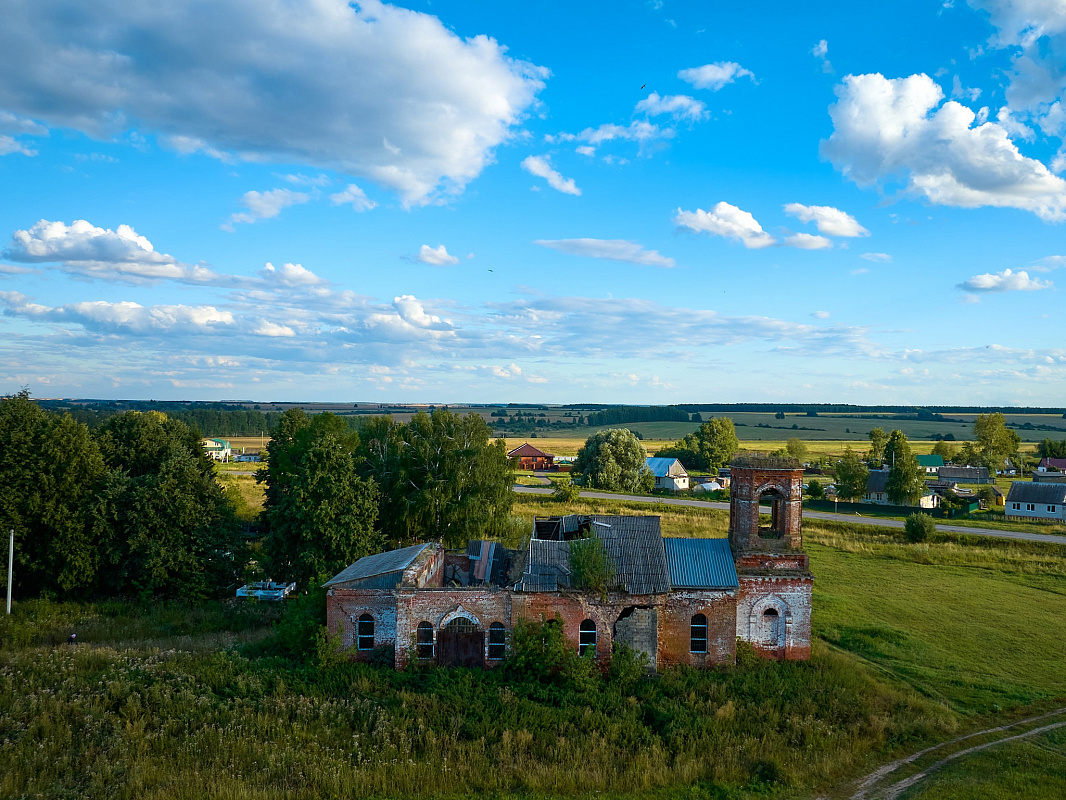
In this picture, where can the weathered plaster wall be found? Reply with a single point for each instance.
(789, 635)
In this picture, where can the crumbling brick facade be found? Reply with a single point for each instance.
(440, 610)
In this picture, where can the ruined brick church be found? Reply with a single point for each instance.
(678, 600)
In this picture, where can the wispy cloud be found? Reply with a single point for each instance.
(542, 168)
(611, 249)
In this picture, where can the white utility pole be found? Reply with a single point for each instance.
(10, 569)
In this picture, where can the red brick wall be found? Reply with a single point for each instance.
(675, 628)
(435, 606)
(345, 606)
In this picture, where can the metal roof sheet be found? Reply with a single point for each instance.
(634, 547)
(877, 481)
(963, 474)
(379, 564)
(660, 467)
(1047, 493)
(700, 563)
(930, 461)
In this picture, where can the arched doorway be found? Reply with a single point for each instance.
(461, 644)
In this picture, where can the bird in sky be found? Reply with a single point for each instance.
(643, 85)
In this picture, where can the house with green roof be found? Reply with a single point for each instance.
(931, 464)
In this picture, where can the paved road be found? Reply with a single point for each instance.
(827, 515)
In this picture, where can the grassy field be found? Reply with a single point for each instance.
(913, 644)
(1032, 769)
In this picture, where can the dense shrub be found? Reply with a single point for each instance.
(919, 527)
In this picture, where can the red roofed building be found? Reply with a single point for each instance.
(1052, 463)
(529, 457)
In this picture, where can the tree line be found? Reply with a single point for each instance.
(130, 508)
(134, 507)
(624, 414)
(211, 421)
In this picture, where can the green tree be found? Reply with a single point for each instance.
(319, 511)
(815, 490)
(896, 447)
(1051, 449)
(164, 524)
(906, 481)
(441, 477)
(796, 448)
(995, 441)
(851, 475)
(945, 450)
(614, 460)
(710, 447)
(878, 441)
(49, 470)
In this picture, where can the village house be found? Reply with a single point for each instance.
(877, 491)
(669, 474)
(218, 449)
(965, 475)
(529, 457)
(677, 600)
(1036, 500)
(930, 463)
(1052, 464)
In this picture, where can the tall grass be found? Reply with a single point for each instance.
(913, 643)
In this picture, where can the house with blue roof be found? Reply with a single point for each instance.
(669, 474)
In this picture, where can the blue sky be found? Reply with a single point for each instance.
(641, 202)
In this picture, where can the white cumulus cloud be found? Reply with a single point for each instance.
(1005, 281)
(610, 249)
(898, 128)
(290, 275)
(728, 221)
(714, 76)
(368, 89)
(807, 241)
(437, 256)
(830, 221)
(83, 248)
(542, 168)
(355, 196)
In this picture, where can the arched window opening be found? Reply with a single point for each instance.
(587, 638)
(497, 641)
(770, 612)
(424, 639)
(698, 635)
(461, 625)
(365, 633)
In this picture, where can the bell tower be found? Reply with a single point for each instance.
(775, 583)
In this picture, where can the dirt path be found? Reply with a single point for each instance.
(866, 790)
(997, 533)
